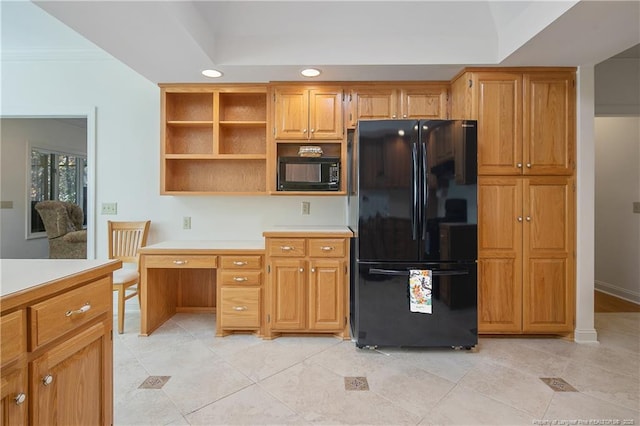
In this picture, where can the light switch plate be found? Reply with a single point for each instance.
(306, 207)
(186, 222)
(636, 207)
(109, 208)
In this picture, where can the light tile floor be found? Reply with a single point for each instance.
(242, 379)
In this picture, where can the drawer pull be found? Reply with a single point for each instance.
(20, 398)
(240, 279)
(286, 248)
(47, 380)
(240, 308)
(239, 263)
(82, 310)
(326, 248)
(180, 262)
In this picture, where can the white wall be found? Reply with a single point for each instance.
(15, 134)
(617, 228)
(128, 155)
(617, 168)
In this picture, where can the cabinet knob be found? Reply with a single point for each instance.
(326, 248)
(84, 308)
(304, 130)
(180, 262)
(239, 263)
(393, 116)
(313, 130)
(528, 218)
(301, 269)
(240, 308)
(47, 380)
(286, 248)
(240, 279)
(404, 115)
(519, 218)
(519, 165)
(20, 398)
(528, 165)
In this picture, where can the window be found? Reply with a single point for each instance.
(55, 176)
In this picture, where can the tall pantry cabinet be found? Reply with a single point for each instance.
(526, 195)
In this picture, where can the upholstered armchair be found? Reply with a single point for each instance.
(63, 223)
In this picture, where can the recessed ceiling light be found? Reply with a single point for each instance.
(310, 72)
(212, 73)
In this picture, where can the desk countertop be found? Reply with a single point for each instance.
(237, 246)
(203, 246)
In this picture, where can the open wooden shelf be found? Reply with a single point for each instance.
(214, 139)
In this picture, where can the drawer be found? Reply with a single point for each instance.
(241, 262)
(61, 314)
(241, 277)
(180, 261)
(327, 247)
(14, 336)
(240, 308)
(286, 247)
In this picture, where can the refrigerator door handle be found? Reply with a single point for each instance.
(425, 192)
(405, 273)
(414, 213)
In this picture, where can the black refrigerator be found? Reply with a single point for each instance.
(413, 206)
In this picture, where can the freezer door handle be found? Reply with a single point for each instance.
(425, 193)
(405, 273)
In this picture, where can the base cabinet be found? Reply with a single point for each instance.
(240, 294)
(307, 286)
(68, 380)
(14, 405)
(57, 349)
(526, 243)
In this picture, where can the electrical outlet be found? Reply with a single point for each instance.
(636, 206)
(186, 222)
(306, 207)
(109, 208)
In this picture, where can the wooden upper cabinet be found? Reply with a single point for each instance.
(424, 102)
(308, 114)
(498, 109)
(526, 119)
(549, 123)
(371, 103)
(397, 101)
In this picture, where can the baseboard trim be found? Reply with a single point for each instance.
(614, 290)
(585, 336)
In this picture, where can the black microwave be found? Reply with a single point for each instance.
(308, 174)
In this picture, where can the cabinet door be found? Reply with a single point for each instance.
(13, 405)
(71, 384)
(375, 103)
(325, 114)
(326, 295)
(549, 123)
(498, 108)
(499, 255)
(291, 113)
(424, 102)
(548, 278)
(287, 294)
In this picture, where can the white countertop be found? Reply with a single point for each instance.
(309, 229)
(21, 274)
(206, 245)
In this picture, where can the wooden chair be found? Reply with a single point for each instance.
(125, 238)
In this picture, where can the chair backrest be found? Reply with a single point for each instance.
(125, 238)
(60, 217)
